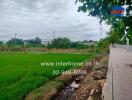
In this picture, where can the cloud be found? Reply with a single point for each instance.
(30, 18)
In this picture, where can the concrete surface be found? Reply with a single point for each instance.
(119, 75)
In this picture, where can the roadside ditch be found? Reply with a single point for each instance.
(75, 86)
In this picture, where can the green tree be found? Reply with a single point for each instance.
(60, 43)
(15, 42)
(36, 42)
(102, 10)
(1, 43)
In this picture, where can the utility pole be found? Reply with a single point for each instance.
(53, 35)
(101, 31)
(15, 39)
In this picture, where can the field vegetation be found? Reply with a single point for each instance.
(21, 73)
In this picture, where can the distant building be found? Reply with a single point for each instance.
(45, 42)
(90, 42)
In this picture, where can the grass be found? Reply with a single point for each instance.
(21, 73)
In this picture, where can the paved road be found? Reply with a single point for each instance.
(119, 76)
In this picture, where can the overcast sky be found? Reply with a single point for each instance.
(31, 18)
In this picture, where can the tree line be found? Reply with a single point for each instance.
(16, 41)
(16, 44)
(67, 43)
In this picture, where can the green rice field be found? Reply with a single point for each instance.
(21, 73)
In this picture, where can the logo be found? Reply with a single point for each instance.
(117, 11)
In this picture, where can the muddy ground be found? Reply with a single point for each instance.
(87, 87)
(75, 86)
